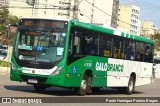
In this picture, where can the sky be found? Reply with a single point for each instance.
(149, 9)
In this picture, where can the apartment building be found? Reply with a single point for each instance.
(92, 11)
(20, 8)
(4, 2)
(129, 18)
(148, 28)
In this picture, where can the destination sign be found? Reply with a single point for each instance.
(31, 33)
(43, 23)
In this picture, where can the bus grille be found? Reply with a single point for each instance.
(41, 80)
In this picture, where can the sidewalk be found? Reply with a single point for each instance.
(4, 70)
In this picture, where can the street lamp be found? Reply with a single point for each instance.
(31, 2)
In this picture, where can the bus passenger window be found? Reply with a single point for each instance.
(118, 48)
(91, 44)
(77, 45)
(75, 42)
(90, 47)
(105, 45)
(129, 50)
(148, 53)
(107, 48)
(139, 51)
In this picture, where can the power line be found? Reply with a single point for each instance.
(150, 3)
(70, 8)
(88, 16)
(111, 16)
(98, 8)
(144, 4)
(80, 2)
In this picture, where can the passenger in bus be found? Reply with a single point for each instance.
(147, 54)
(107, 48)
(138, 56)
(147, 50)
(141, 54)
(91, 48)
(129, 52)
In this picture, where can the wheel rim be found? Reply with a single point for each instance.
(83, 84)
(131, 86)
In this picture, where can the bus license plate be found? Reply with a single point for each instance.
(34, 81)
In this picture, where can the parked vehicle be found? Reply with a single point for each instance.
(3, 55)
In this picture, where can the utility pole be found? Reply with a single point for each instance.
(92, 11)
(75, 9)
(45, 12)
(115, 13)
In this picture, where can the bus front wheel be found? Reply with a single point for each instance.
(82, 90)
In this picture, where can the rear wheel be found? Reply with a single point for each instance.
(131, 86)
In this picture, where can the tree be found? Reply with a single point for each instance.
(4, 14)
(156, 39)
(13, 19)
(3, 29)
(5, 20)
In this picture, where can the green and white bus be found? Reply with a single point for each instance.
(83, 56)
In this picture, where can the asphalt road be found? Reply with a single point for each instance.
(16, 89)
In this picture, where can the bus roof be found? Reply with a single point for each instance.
(112, 31)
(103, 29)
(46, 18)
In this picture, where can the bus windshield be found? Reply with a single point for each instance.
(36, 43)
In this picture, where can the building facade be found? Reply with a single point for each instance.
(148, 28)
(4, 2)
(129, 18)
(92, 11)
(20, 8)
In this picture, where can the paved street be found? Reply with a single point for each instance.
(16, 89)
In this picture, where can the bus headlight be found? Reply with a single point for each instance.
(14, 67)
(58, 70)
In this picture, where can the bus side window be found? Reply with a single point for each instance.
(139, 51)
(129, 50)
(75, 42)
(148, 53)
(91, 44)
(77, 46)
(107, 48)
(118, 51)
(105, 45)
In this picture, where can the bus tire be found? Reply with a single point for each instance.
(39, 88)
(131, 86)
(82, 90)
